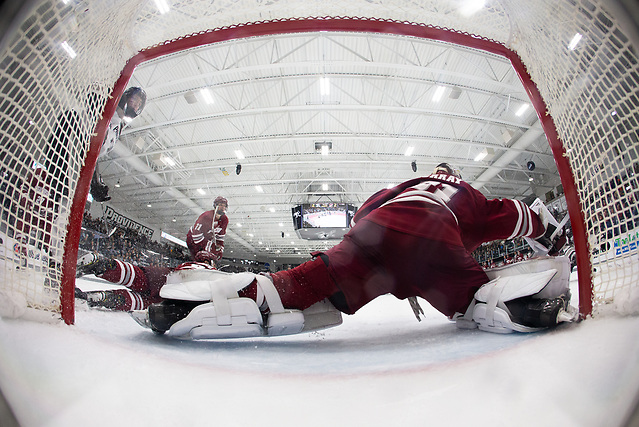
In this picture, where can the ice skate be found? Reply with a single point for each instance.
(541, 313)
(163, 315)
(93, 263)
(104, 299)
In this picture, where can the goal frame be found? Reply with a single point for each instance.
(331, 24)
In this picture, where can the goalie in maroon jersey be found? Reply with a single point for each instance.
(413, 240)
(205, 238)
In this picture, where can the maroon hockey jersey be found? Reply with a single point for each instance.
(443, 207)
(207, 234)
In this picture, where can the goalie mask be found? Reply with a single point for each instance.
(447, 169)
(132, 102)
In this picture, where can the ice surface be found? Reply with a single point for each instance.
(380, 368)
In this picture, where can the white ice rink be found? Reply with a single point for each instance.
(380, 368)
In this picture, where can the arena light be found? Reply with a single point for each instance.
(167, 160)
(239, 154)
(259, 189)
(521, 110)
(68, 49)
(479, 157)
(162, 6)
(325, 86)
(439, 92)
(483, 154)
(471, 7)
(206, 94)
(409, 151)
(575, 41)
(202, 192)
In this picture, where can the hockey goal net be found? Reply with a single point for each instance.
(63, 65)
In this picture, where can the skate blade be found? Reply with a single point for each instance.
(141, 317)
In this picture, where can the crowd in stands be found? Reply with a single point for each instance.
(502, 252)
(128, 245)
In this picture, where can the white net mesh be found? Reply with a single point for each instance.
(61, 61)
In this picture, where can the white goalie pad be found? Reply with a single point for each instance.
(203, 285)
(559, 284)
(497, 320)
(535, 278)
(321, 315)
(239, 318)
(229, 316)
(508, 288)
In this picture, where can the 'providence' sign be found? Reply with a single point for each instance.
(125, 222)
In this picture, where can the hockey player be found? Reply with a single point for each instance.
(129, 107)
(140, 285)
(205, 238)
(412, 240)
(36, 206)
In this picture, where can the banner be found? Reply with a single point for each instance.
(116, 218)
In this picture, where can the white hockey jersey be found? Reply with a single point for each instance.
(112, 136)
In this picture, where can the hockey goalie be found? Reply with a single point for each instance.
(413, 240)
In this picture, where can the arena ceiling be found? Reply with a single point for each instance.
(379, 101)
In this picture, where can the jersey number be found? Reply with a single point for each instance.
(445, 192)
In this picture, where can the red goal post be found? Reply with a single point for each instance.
(584, 184)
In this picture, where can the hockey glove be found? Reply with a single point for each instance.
(206, 256)
(100, 191)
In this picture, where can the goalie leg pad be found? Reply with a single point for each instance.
(204, 285)
(240, 318)
(321, 315)
(228, 315)
(559, 284)
(527, 295)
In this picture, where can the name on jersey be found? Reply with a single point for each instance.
(445, 177)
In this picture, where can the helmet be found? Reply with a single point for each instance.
(219, 200)
(447, 169)
(132, 111)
